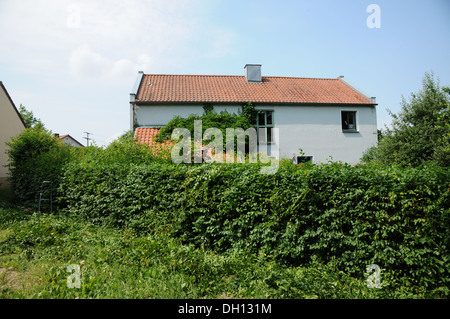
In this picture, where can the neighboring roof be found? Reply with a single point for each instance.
(12, 103)
(161, 88)
(62, 137)
(147, 135)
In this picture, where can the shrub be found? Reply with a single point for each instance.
(420, 132)
(115, 194)
(394, 217)
(124, 150)
(36, 155)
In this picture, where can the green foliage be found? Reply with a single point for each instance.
(420, 132)
(36, 155)
(124, 150)
(210, 119)
(29, 144)
(394, 217)
(29, 118)
(307, 231)
(117, 263)
(250, 113)
(371, 155)
(119, 193)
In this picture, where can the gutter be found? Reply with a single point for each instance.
(133, 95)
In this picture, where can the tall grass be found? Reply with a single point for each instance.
(35, 251)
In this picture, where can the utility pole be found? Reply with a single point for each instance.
(87, 137)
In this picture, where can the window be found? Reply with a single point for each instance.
(264, 127)
(264, 131)
(348, 121)
(304, 159)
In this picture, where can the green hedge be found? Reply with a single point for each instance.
(354, 216)
(116, 194)
(36, 155)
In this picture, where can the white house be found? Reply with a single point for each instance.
(69, 140)
(326, 118)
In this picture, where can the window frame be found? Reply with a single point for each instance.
(265, 126)
(304, 159)
(347, 119)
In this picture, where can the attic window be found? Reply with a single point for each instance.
(348, 121)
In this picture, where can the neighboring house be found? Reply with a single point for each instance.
(69, 140)
(327, 119)
(11, 124)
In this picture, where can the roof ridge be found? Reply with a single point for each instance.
(241, 76)
(202, 75)
(300, 77)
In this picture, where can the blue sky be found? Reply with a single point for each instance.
(74, 63)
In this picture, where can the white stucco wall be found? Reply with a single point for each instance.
(318, 132)
(315, 129)
(156, 115)
(10, 126)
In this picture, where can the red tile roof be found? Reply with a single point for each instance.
(146, 135)
(235, 89)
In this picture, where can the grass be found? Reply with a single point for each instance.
(36, 249)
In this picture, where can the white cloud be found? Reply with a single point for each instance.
(123, 68)
(88, 37)
(145, 62)
(78, 59)
(87, 64)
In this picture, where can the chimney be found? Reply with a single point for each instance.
(253, 73)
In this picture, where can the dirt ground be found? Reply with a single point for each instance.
(8, 278)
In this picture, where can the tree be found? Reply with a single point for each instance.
(420, 132)
(35, 155)
(442, 154)
(29, 118)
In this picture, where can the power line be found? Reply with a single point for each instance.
(87, 137)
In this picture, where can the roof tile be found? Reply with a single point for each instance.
(148, 136)
(225, 88)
